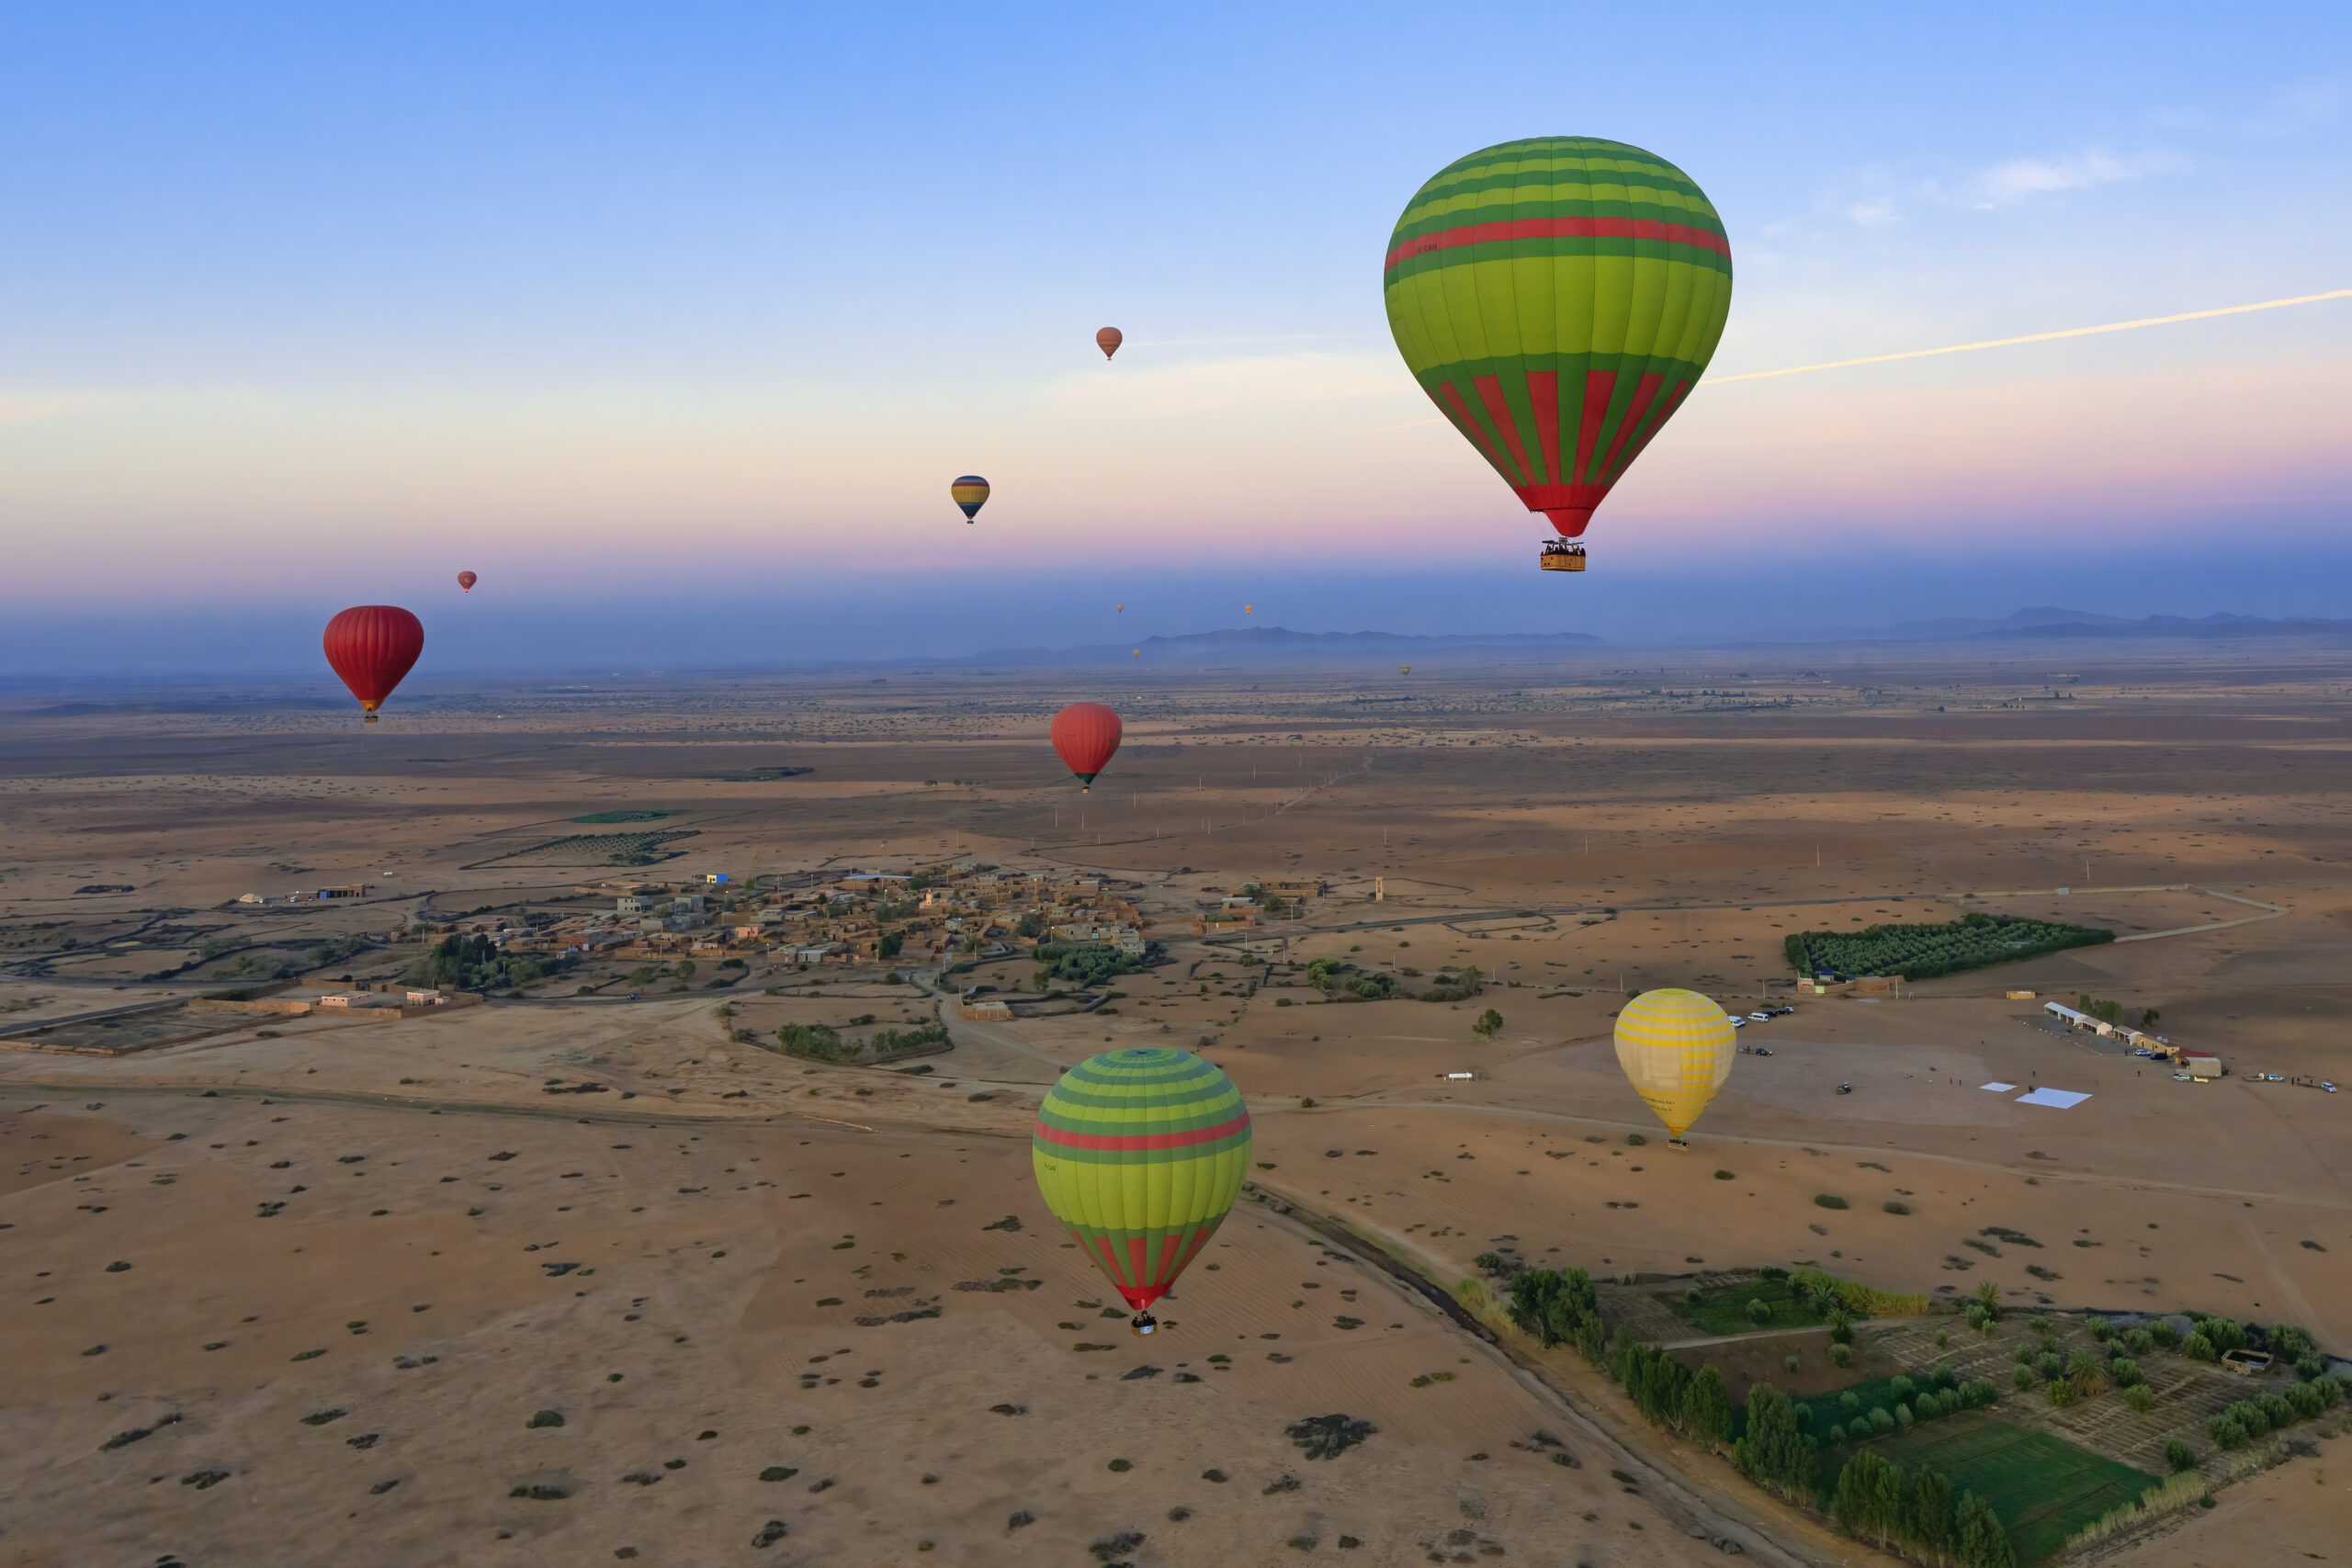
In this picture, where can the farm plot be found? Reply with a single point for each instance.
(1922, 951)
(2044, 1489)
(593, 849)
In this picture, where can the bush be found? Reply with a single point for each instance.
(1836, 1435)
(2226, 1432)
(1489, 1024)
(2141, 1398)
(1881, 1420)
(1900, 1387)
(1841, 1355)
(1635, 1140)
(1850, 1402)
(2025, 1378)
(2062, 1394)
(2162, 1335)
(2197, 1347)
(1760, 1312)
(1892, 1207)
(2140, 1342)
(2180, 1456)
(1723, 1176)
(1827, 1200)
(1903, 1417)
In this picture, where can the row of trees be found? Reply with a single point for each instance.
(1560, 1307)
(474, 964)
(2252, 1418)
(1915, 1512)
(1670, 1395)
(822, 1042)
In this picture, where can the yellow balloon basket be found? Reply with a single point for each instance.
(1561, 560)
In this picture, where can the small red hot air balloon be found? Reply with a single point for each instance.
(1108, 340)
(466, 580)
(371, 647)
(1086, 734)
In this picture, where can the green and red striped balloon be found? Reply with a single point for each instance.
(1140, 1154)
(1558, 297)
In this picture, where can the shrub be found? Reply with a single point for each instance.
(1489, 1024)
(1635, 1140)
(1903, 1417)
(1791, 1363)
(2125, 1372)
(2140, 1342)
(1760, 1312)
(1723, 1176)
(1881, 1420)
(2162, 1333)
(1943, 1338)
(1943, 1376)
(1850, 1402)
(2226, 1432)
(2024, 1378)
(1841, 1355)
(1900, 1386)
(2180, 1456)
(2310, 1368)
(2139, 1397)
(2197, 1347)
(1836, 1436)
(1892, 1207)
(1828, 1201)
(2101, 1330)
(2062, 1394)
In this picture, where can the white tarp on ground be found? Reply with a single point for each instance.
(1998, 1087)
(2064, 1099)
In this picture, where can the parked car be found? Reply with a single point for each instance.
(2327, 1085)
(1759, 1018)
(1739, 1023)
(1763, 1051)
(1782, 1012)
(2182, 1078)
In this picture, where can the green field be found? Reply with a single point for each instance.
(1923, 952)
(1726, 1311)
(2044, 1489)
(622, 817)
(751, 776)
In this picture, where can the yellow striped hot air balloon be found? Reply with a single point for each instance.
(1139, 1154)
(1676, 1047)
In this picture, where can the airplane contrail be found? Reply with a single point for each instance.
(2035, 337)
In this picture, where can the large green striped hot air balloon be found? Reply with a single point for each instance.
(1557, 299)
(1140, 1154)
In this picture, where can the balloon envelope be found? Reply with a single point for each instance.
(1676, 1048)
(1108, 340)
(972, 492)
(466, 580)
(1557, 297)
(1140, 1154)
(371, 647)
(1087, 734)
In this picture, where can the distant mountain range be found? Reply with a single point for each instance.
(1274, 645)
(1279, 645)
(2049, 621)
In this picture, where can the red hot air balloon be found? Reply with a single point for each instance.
(1108, 340)
(371, 647)
(466, 580)
(1087, 734)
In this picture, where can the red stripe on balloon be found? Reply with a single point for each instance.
(1490, 392)
(1559, 229)
(1469, 426)
(1600, 385)
(1643, 391)
(1544, 394)
(1069, 1140)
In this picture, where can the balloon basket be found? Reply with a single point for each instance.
(371, 718)
(1678, 1143)
(1556, 558)
(1143, 1323)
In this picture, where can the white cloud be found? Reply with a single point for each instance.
(2022, 178)
(1871, 214)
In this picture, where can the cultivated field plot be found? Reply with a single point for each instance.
(593, 849)
(2189, 1393)
(2043, 1489)
(1924, 951)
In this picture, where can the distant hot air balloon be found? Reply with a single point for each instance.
(1246, 608)
(1087, 734)
(971, 493)
(466, 580)
(1403, 670)
(1122, 609)
(1108, 340)
(371, 647)
(1676, 1048)
(1140, 1154)
(1557, 299)
(1139, 653)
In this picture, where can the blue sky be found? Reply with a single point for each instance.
(634, 307)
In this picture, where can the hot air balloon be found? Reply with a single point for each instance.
(1557, 299)
(971, 493)
(466, 580)
(1087, 734)
(1108, 340)
(1139, 653)
(371, 647)
(1403, 670)
(1140, 1154)
(1121, 608)
(1246, 608)
(1676, 1047)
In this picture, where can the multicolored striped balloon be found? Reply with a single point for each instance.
(971, 493)
(1140, 1154)
(1676, 1047)
(1557, 299)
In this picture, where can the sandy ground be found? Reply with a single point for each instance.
(1601, 833)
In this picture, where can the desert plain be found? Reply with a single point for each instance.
(594, 1272)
